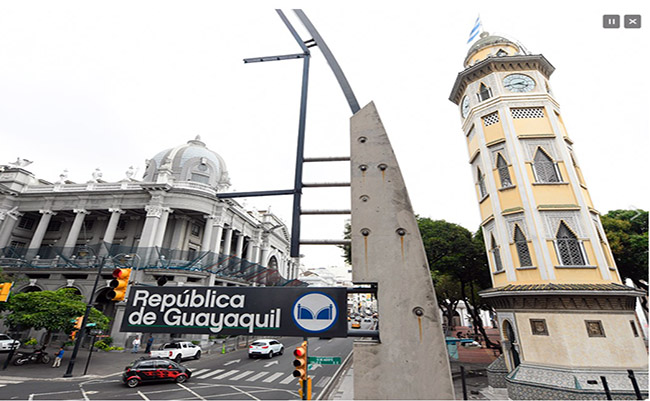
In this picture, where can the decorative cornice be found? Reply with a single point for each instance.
(496, 64)
(558, 207)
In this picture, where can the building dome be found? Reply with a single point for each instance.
(492, 45)
(190, 162)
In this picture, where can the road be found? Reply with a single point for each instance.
(230, 376)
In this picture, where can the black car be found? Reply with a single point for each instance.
(154, 370)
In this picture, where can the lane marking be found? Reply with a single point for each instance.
(288, 379)
(214, 372)
(316, 349)
(84, 394)
(224, 375)
(257, 376)
(242, 375)
(322, 382)
(144, 397)
(198, 372)
(273, 377)
(244, 392)
(231, 362)
(192, 392)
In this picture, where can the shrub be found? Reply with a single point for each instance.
(31, 341)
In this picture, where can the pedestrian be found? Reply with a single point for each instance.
(149, 344)
(136, 344)
(58, 357)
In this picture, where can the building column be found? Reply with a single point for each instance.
(109, 234)
(227, 242)
(240, 245)
(256, 247)
(162, 227)
(37, 239)
(265, 250)
(250, 251)
(180, 229)
(154, 212)
(217, 234)
(10, 219)
(73, 235)
(207, 233)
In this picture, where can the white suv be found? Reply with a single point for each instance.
(7, 343)
(265, 347)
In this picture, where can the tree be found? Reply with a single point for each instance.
(50, 310)
(627, 233)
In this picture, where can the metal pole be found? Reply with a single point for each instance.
(297, 186)
(89, 355)
(637, 391)
(606, 387)
(304, 382)
(82, 330)
(462, 379)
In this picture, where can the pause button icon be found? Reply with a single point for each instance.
(611, 21)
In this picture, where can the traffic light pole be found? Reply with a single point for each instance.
(304, 381)
(82, 330)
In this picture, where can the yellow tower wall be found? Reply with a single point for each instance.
(568, 344)
(488, 51)
(532, 126)
(493, 132)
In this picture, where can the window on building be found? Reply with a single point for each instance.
(634, 329)
(502, 53)
(522, 248)
(494, 250)
(204, 179)
(491, 119)
(195, 229)
(545, 168)
(569, 247)
(26, 223)
(504, 173)
(121, 225)
(538, 327)
(481, 183)
(55, 225)
(595, 328)
(484, 92)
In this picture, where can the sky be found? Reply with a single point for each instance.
(88, 84)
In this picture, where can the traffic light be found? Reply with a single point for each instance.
(5, 289)
(77, 326)
(300, 363)
(118, 284)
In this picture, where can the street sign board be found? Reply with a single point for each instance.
(95, 332)
(325, 360)
(272, 311)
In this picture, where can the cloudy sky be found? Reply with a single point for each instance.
(87, 85)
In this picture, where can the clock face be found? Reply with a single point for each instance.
(464, 108)
(518, 83)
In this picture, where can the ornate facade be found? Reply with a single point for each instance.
(171, 226)
(565, 316)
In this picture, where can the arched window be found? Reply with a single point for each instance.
(568, 247)
(484, 92)
(502, 53)
(504, 174)
(522, 248)
(494, 250)
(545, 168)
(481, 183)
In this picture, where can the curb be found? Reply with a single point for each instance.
(336, 378)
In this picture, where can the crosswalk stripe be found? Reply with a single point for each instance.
(272, 377)
(288, 379)
(214, 372)
(198, 372)
(257, 376)
(224, 375)
(322, 382)
(2, 385)
(242, 375)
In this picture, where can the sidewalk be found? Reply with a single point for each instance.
(101, 364)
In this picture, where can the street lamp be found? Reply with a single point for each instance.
(82, 330)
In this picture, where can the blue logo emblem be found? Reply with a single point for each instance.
(315, 312)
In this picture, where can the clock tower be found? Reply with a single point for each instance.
(564, 316)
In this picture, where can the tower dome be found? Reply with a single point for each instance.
(192, 161)
(492, 46)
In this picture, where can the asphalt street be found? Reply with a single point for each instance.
(215, 376)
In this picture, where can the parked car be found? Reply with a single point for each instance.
(265, 347)
(146, 370)
(7, 343)
(177, 350)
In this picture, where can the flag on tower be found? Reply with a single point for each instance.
(476, 30)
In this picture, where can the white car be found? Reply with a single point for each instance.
(265, 347)
(7, 343)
